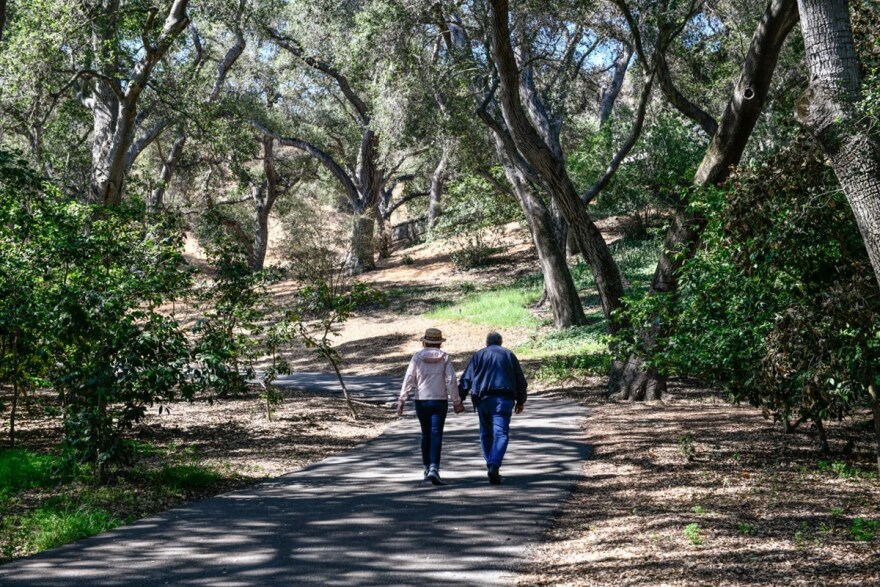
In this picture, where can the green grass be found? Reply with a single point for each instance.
(48, 527)
(22, 469)
(177, 477)
(499, 308)
(845, 470)
(864, 530)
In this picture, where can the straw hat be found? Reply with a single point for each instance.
(434, 336)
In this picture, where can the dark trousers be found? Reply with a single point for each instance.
(495, 413)
(432, 417)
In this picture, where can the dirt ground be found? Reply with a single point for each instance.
(690, 491)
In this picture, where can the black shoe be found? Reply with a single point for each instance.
(434, 476)
(494, 476)
(425, 478)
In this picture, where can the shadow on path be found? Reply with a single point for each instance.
(360, 518)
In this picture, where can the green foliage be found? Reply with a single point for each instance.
(692, 533)
(23, 469)
(232, 312)
(864, 530)
(779, 305)
(663, 162)
(500, 308)
(746, 528)
(473, 211)
(79, 290)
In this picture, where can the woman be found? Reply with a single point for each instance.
(431, 377)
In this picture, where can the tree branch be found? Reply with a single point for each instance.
(324, 158)
(294, 48)
(627, 146)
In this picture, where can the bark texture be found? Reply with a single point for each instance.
(438, 184)
(740, 116)
(828, 110)
(547, 161)
(114, 105)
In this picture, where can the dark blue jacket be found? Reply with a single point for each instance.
(493, 370)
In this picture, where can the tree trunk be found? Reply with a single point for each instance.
(438, 183)
(261, 239)
(114, 104)
(169, 166)
(609, 94)
(559, 288)
(724, 152)
(360, 256)
(384, 237)
(828, 110)
(875, 409)
(550, 166)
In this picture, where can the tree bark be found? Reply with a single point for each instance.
(360, 256)
(559, 289)
(828, 110)
(875, 410)
(438, 183)
(2, 18)
(169, 167)
(683, 237)
(609, 94)
(550, 165)
(114, 107)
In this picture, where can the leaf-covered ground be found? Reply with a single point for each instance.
(694, 491)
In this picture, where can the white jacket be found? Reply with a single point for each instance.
(431, 376)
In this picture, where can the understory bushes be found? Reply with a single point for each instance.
(779, 306)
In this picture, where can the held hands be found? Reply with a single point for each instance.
(458, 408)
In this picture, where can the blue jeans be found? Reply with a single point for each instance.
(495, 412)
(432, 417)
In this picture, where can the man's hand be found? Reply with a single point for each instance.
(400, 408)
(519, 408)
(458, 408)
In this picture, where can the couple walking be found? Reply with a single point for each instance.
(497, 387)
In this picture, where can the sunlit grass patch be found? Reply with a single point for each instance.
(23, 469)
(49, 527)
(499, 308)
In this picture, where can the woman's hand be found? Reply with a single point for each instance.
(400, 408)
(458, 408)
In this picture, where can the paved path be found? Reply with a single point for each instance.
(367, 388)
(360, 518)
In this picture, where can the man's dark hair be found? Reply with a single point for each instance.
(493, 338)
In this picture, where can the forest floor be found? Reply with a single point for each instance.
(688, 491)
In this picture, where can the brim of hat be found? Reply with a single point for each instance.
(433, 339)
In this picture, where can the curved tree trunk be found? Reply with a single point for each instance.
(559, 289)
(828, 110)
(549, 163)
(740, 116)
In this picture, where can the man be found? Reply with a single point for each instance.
(497, 386)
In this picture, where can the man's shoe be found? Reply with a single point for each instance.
(494, 476)
(425, 478)
(434, 476)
